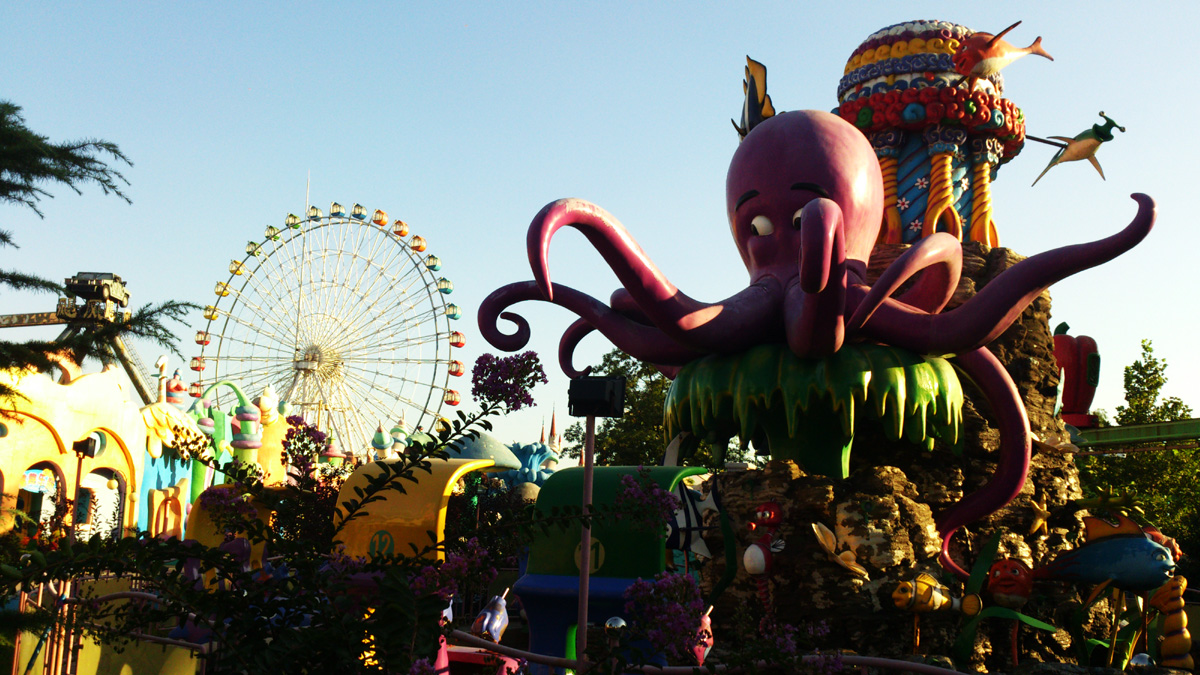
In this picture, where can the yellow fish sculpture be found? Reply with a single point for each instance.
(925, 594)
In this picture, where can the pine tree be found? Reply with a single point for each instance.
(29, 165)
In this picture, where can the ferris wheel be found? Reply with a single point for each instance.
(345, 317)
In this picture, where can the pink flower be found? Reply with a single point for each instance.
(666, 612)
(507, 380)
(643, 499)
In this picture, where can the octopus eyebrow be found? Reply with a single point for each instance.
(745, 198)
(812, 187)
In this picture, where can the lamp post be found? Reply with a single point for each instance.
(91, 446)
(585, 540)
(590, 397)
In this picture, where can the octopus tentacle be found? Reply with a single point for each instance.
(731, 325)
(997, 305)
(623, 302)
(815, 302)
(570, 339)
(939, 256)
(640, 341)
(1012, 467)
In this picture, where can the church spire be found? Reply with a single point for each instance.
(555, 438)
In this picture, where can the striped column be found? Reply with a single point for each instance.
(940, 215)
(985, 154)
(887, 149)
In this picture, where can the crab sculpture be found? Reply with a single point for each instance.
(804, 198)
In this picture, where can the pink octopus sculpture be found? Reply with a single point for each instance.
(805, 203)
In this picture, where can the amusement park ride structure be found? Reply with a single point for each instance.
(105, 299)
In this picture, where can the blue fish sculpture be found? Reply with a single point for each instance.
(493, 620)
(1119, 553)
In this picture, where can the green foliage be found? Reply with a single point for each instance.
(485, 511)
(29, 161)
(806, 410)
(307, 610)
(1164, 480)
(1144, 380)
(1093, 652)
(638, 438)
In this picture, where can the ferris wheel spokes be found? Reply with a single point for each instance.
(264, 316)
(423, 407)
(380, 297)
(335, 312)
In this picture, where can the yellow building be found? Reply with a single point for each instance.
(39, 467)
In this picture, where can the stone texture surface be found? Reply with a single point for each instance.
(884, 513)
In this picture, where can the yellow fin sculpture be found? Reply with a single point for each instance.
(758, 106)
(847, 559)
(173, 428)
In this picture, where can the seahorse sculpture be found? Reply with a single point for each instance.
(758, 558)
(1174, 650)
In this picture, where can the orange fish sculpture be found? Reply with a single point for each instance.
(983, 54)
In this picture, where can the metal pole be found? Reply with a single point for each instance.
(133, 370)
(75, 505)
(585, 541)
(1056, 144)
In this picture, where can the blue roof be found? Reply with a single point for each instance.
(484, 447)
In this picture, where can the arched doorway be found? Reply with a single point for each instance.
(100, 505)
(40, 495)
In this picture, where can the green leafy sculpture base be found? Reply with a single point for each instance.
(804, 409)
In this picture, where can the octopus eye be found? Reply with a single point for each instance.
(796, 219)
(761, 226)
(1014, 571)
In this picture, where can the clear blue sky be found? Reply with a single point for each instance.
(464, 119)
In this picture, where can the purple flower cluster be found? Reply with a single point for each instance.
(507, 380)
(784, 639)
(471, 566)
(817, 630)
(645, 502)
(228, 506)
(422, 667)
(828, 663)
(666, 612)
(783, 643)
(302, 440)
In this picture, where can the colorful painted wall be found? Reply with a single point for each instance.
(37, 463)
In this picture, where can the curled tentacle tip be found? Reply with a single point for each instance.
(1147, 212)
(569, 371)
(521, 322)
(509, 342)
